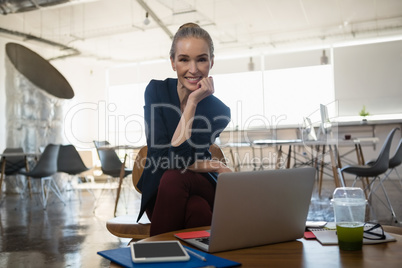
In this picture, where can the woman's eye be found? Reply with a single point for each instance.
(183, 59)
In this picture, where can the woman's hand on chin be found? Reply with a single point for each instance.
(205, 89)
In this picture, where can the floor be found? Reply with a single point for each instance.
(70, 234)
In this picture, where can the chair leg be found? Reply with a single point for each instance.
(321, 169)
(278, 158)
(354, 182)
(56, 190)
(105, 188)
(28, 178)
(372, 190)
(369, 187)
(3, 169)
(381, 183)
(399, 177)
(389, 202)
(121, 178)
(51, 184)
(43, 193)
(118, 195)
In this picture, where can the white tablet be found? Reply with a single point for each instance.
(158, 251)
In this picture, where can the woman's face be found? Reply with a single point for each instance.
(192, 61)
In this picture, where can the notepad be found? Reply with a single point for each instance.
(122, 256)
(329, 237)
(195, 234)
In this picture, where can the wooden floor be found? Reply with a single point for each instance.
(70, 235)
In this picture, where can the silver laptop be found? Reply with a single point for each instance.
(258, 208)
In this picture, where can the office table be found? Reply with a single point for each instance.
(237, 145)
(331, 145)
(119, 147)
(308, 253)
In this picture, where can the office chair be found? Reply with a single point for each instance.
(373, 170)
(70, 162)
(10, 165)
(126, 226)
(111, 165)
(394, 162)
(44, 169)
(99, 144)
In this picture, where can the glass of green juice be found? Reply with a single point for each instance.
(349, 205)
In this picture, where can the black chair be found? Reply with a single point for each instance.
(10, 165)
(70, 162)
(372, 169)
(44, 169)
(112, 165)
(394, 162)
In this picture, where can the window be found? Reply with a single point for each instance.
(278, 97)
(257, 100)
(125, 119)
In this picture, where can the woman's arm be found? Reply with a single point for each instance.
(209, 166)
(183, 130)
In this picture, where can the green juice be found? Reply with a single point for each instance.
(350, 235)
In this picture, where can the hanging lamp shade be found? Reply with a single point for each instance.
(39, 71)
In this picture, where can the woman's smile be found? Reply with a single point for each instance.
(193, 80)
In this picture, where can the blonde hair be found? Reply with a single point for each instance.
(191, 30)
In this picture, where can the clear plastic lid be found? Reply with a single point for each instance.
(349, 195)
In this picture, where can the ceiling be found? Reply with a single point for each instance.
(114, 30)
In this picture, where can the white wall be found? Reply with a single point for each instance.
(87, 110)
(369, 75)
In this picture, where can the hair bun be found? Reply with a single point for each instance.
(189, 25)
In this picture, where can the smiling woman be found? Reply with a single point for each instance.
(183, 118)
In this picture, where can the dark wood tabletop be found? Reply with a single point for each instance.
(309, 253)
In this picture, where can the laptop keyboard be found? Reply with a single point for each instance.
(204, 240)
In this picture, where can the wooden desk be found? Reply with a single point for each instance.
(309, 253)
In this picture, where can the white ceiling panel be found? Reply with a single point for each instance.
(114, 29)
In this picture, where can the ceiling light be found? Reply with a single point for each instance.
(251, 65)
(146, 21)
(324, 58)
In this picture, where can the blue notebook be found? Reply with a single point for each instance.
(122, 256)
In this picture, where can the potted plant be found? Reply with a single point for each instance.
(363, 113)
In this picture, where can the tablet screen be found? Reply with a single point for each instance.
(158, 251)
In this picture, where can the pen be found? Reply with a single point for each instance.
(195, 254)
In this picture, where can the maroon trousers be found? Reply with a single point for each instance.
(184, 200)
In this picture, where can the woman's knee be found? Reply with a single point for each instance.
(172, 181)
(198, 212)
(172, 176)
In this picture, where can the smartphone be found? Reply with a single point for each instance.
(158, 251)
